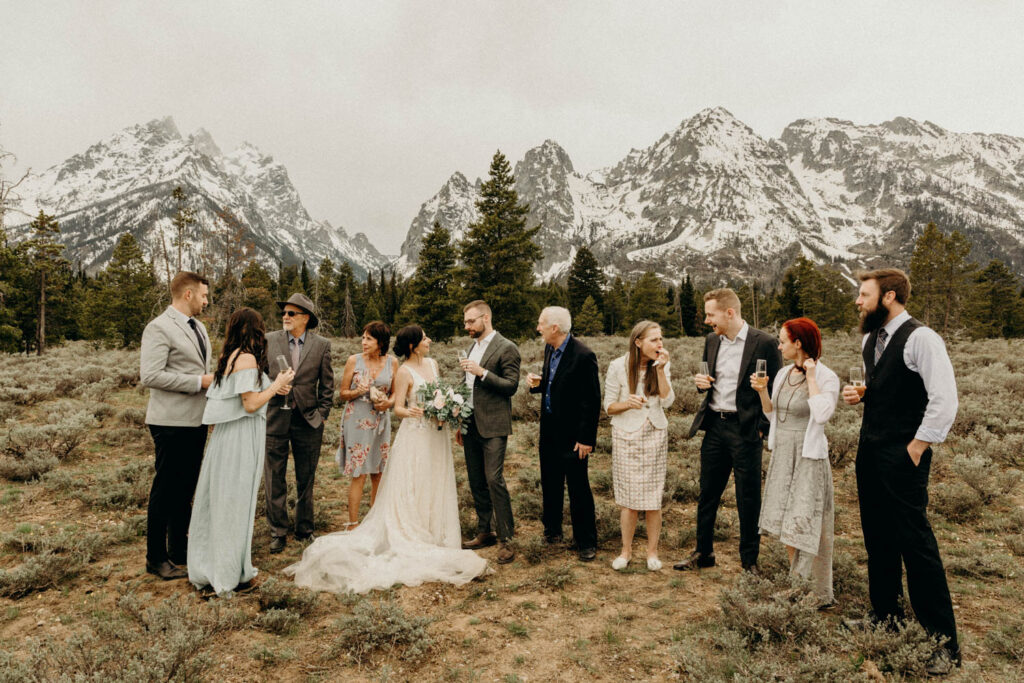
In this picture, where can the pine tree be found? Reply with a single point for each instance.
(616, 304)
(995, 304)
(646, 300)
(433, 289)
(259, 287)
(670, 322)
(942, 277)
(306, 281)
(347, 324)
(125, 295)
(585, 279)
(183, 220)
(688, 307)
(46, 267)
(498, 253)
(288, 281)
(588, 322)
(10, 274)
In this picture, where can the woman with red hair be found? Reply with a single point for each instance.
(797, 506)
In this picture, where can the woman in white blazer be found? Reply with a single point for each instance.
(797, 506)
(638, 388)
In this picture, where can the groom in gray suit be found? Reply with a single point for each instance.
(175, 365)
(492, 373)
(301, 426)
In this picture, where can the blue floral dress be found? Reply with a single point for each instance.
(220, 533)
(365, 432)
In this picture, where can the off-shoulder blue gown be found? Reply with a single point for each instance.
(220, 533)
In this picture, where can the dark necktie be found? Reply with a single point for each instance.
(199, 337)
(880, 344)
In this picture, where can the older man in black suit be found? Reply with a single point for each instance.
(299, 422)
(570, 407)
(734, 426)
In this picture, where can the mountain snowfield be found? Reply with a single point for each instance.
(124, 183)
(715, 199)
(711, 197)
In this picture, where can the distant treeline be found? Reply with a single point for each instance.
(45, 299)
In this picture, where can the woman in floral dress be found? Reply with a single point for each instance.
(367, 386)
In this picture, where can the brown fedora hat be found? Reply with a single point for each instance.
(302, 301)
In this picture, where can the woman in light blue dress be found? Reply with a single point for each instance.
(220, 533)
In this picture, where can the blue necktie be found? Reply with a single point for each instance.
(880, 344)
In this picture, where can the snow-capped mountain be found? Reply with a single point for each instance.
(124, 184)
(714, 198)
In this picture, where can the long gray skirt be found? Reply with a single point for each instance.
(798, 509)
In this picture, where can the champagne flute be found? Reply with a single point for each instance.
(857, 379)
(282, 366)
(705, 369)
(762, 368)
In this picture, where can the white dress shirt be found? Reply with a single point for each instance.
(727, 371)
(616, 389)
(476, 354)
(822, 405)
(925, 353)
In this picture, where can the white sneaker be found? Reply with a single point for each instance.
(653, 563)
(619, 563)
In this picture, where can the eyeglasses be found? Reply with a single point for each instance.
(470, 321)
(292, 314)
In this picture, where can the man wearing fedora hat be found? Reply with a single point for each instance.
(296, 419)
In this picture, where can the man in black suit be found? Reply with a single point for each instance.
(570, 407)
(734, 426)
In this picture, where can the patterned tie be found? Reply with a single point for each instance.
(295, 352)
(880, 344)
(199, 337)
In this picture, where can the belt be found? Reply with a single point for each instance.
(725, 415)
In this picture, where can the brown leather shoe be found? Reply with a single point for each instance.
(481, 541)
(166, 571)
(505, 554)
(696, 560)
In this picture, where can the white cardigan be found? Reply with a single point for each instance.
(616, 389)
(822, 406)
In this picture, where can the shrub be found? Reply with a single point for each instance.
(601, 482)
(977, 563)
(528, 505)
(381, 627)
(556, 578)
(608, 521)
(1007, 639)
(60, 438)
(124, 489)
(956, 501)
(533, 550)
(275, 594)
(681, 485)
(58, 559)
(763, 610)
(31, 465)
(986, 477)
(1016, 544)
(903, 649)
(278, 621)
(135, 417)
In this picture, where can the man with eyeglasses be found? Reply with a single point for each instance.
(299, 423)
(492, 373)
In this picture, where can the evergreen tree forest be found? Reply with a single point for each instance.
(45, 299)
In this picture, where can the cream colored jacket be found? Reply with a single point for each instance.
(815, 446)
(616, 389)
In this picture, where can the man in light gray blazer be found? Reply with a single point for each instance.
(492, 373)
(175, 366)
(299, 422)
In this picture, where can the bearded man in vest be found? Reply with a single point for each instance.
(910, 402)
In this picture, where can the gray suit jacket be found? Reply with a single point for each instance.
(313, 387)
(492, 396)
(172, 366)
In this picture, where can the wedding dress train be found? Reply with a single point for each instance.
(411, 534)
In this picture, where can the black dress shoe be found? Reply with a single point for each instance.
(753, 569)
(552, 540)
(166, 571)
(302, 538)
(277, 543)
(941, 663)
(696, 560)
(588, 554)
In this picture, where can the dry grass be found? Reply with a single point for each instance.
(77, 603)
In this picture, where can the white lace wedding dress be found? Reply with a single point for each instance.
(411, 534)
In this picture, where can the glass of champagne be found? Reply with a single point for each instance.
(762, 368)
(857, 379)
(282, 366)
(705, 369)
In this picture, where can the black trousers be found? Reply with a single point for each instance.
(893, 497)
(179, 455)
(725, 451)
(485, 468)
(305, 445)
(561, 468)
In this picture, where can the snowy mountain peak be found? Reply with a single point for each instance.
(203, 143)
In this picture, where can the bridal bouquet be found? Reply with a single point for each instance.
(446, 404)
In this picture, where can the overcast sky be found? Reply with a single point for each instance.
(371, 106)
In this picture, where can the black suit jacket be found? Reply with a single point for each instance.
(492, 396)
(753, 423)
(575, 398)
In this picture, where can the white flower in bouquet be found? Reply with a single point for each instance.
(457, 398)
(439, 399)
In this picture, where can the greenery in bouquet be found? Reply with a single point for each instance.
(445, 404)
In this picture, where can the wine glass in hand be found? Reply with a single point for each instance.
(283, 366)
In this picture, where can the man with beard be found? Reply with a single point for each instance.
(910, 403)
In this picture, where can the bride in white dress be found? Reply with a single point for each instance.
(411, 534)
